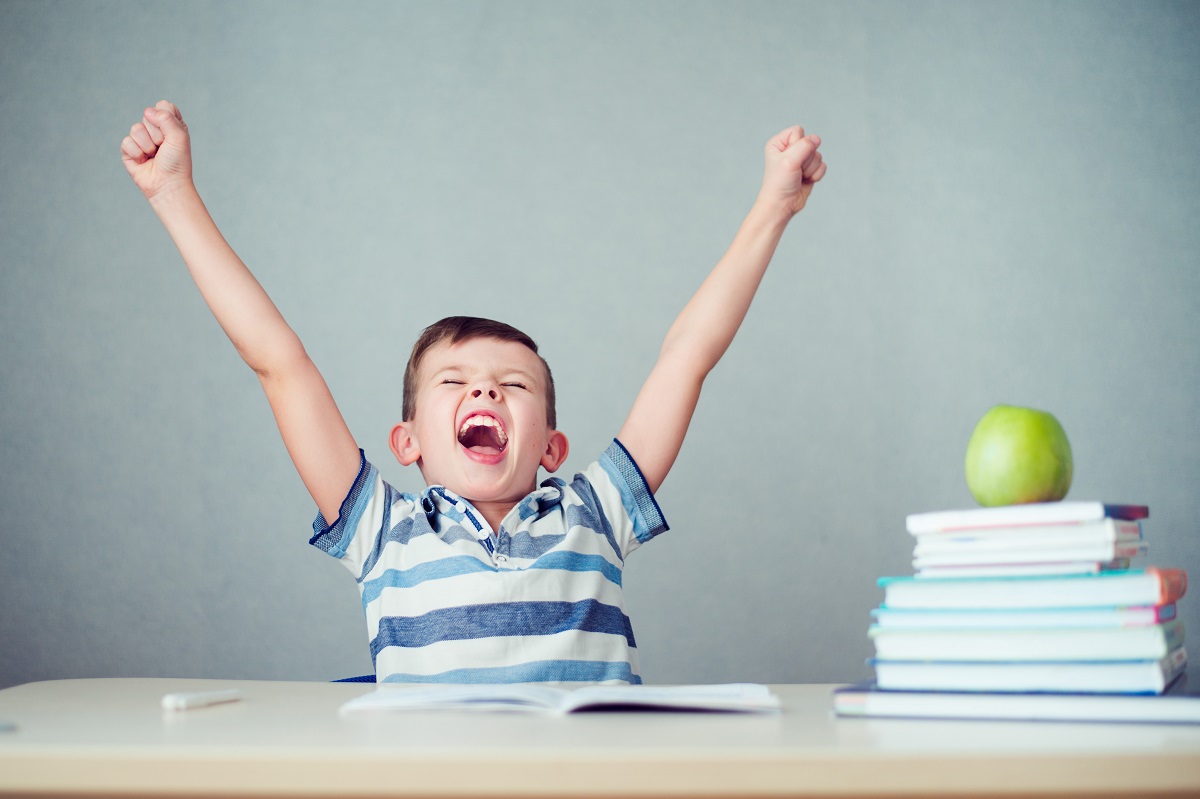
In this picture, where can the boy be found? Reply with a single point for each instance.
(484, 576)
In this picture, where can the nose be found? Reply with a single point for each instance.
(477, 393)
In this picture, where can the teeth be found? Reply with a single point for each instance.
(483, 421)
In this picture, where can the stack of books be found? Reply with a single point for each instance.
(1028, 611)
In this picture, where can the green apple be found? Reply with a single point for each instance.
(1018, 455)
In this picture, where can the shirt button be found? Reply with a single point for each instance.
(501, 559)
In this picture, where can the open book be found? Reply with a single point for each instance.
(734, 697)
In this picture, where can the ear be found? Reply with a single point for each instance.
(556, 451)
(404, 444)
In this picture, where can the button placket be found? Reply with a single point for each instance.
(460, 506)
(503, 541)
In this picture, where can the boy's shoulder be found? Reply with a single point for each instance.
(608, 497)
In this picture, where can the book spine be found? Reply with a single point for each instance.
(1172, 584)
(1173, 665)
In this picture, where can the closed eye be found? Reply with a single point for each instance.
(515, 385)
(453, 382)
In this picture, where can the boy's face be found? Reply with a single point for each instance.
(479, 426)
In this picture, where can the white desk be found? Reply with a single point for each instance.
(110, 737)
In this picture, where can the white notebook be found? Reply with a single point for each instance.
(732, 697)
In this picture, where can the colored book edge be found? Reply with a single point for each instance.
(1172, 580)
(1022, 618)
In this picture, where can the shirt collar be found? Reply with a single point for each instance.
(437, 500)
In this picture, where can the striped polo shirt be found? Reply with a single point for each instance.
(447, 599)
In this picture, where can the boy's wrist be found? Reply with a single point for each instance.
(773, 210)
(173, 195)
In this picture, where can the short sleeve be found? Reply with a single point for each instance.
(625, 497)
(365, 513)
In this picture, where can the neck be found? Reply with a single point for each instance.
(494, 512)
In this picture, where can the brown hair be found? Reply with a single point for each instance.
(464, 328)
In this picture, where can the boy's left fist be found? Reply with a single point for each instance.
(793, 166)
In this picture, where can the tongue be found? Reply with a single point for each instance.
(482, 440)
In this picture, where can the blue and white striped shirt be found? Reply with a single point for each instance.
(539, 600)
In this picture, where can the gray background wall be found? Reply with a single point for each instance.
(1009, 216)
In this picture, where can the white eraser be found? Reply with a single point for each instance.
(195, 699)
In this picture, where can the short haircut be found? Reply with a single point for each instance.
(464, 328)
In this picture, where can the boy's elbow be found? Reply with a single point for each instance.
(286, 358)
(685, 369)
(682, 358)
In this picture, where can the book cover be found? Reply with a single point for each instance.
(1102, 552)
(1017, 515)
(1003, 539)
(731, 697)
(1132, 677)
(1151, 586)
(1045, 644)
(1031, 618)
(1025, 569)
(1179, 704)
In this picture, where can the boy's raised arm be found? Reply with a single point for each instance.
(157, 155)
(658, 422)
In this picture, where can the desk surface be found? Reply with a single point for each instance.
(110, 736)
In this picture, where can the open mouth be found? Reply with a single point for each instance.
(483, 435)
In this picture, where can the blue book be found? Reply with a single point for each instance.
(1039, 676)
(1146, 642)
(1152, 586)
(1180, 704)
(1026, 619)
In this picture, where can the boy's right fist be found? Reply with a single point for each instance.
(157, 153)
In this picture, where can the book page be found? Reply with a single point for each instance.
(739, 697)
(504, 697)
(735, 697)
